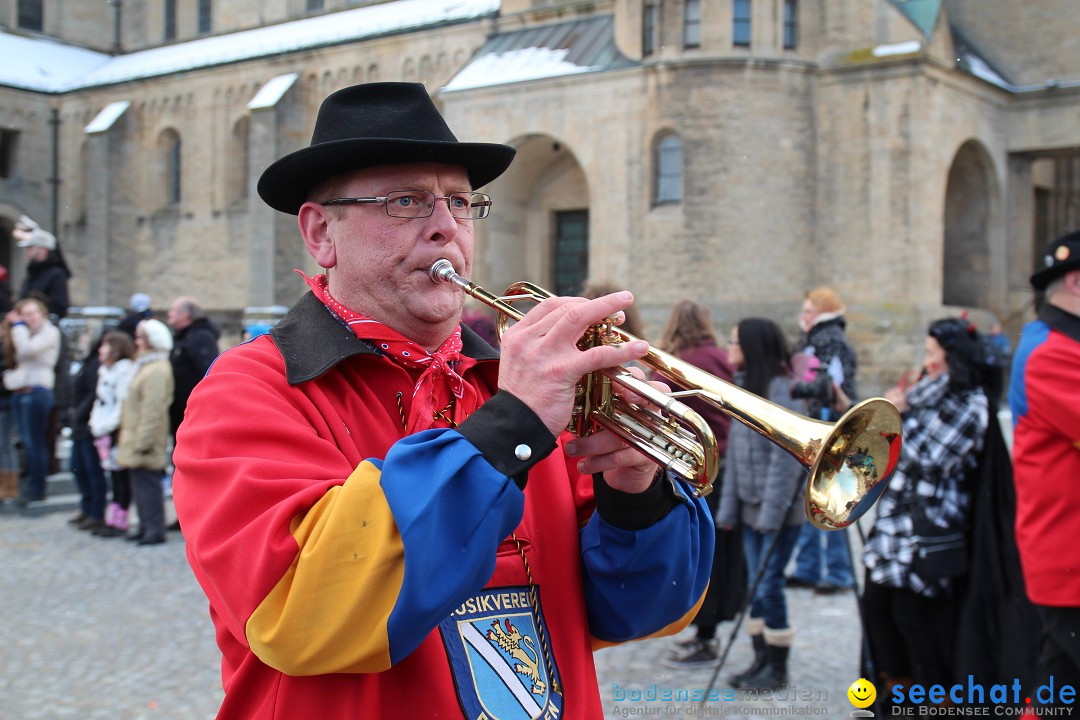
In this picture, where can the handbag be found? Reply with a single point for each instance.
(940, 552)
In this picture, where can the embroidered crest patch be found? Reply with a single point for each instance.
(500, 663)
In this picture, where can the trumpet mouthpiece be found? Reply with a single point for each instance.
(442, 270)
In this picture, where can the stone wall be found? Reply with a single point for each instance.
(826, 164)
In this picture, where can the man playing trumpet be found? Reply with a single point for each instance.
(385, 515)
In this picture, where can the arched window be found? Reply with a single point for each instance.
(169, 146)
(648, 30)
(170, 20)
(31, 16)
(237, 171)
(668, 162)
(9, 145)
(206, 12)
(84, 180)
(740, 23)
(791, 24)
(692, 24)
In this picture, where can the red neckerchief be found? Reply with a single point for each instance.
(439, 386)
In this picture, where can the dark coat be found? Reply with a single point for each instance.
(48, 279)
(763, 485)
(712, 359)
(83, 393)
(131, 321)
(194, 349)
(828, 340)
(996, 637)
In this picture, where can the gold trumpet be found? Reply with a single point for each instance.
(849, 461)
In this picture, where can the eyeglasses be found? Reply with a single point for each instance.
(421, 203)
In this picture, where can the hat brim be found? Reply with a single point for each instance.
(285, 184)
(1044, 277)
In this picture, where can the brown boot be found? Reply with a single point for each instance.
(9, 484)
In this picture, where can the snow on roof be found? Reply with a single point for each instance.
(566, 48)
(34, 64)
(47, 66)
(902, 48)
(978, 67)
(514, 66)
(270, 93)
(108, 115)
(970, 59)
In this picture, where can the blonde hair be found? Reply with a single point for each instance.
(689, 323)
(825, 300)
(32, 301)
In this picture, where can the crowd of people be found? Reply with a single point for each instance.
(122, 399)
(381, 492)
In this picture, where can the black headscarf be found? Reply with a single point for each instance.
(972, 362)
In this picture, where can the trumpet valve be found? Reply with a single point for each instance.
(606, 332)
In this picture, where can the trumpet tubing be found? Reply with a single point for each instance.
(849, 462)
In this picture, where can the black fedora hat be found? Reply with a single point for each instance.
(1062, 255)
(376, 124)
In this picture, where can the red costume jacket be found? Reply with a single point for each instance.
(1046, 456)
(356, 572)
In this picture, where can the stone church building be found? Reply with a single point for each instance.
(917, 155)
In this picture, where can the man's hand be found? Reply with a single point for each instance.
(541, 366)
(541, 363)
(624, 467)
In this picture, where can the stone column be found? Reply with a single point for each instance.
(100, 196)
(1020, 224)
(263, 149)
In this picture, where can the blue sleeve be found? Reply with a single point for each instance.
(639, 581)
(454, 496)
(451, 508)
(1033, 335)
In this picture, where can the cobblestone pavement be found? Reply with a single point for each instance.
(101, 628)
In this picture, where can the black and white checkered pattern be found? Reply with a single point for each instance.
(943, 434)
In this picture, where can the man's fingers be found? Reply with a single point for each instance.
(603, 442)
(604, 450)
(569, 317)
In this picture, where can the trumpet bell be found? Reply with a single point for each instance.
(853, 466)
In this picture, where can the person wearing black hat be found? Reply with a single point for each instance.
(386, 516)
(47, 273)
(1044, 394)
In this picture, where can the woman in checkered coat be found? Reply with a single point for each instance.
(910, 618)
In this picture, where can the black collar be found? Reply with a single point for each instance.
(1061, 320)
(312, 340)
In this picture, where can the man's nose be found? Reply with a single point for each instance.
(442, 225)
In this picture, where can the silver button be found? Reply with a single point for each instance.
(523, 452)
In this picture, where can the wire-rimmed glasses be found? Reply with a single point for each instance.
(421, 203)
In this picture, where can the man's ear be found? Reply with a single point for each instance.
(1072, 281)
(314, 222)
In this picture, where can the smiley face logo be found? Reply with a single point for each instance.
(862, 693)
